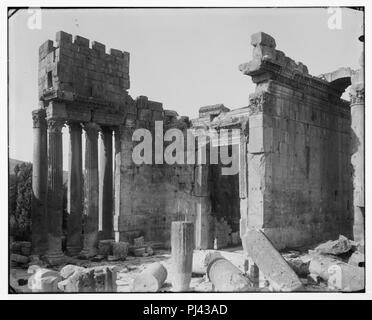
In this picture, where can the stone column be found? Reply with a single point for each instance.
(54, 253)
(243, 184)
(357, 147)
(75, 190)
(204, 222)
(117, 183)
(39, 183)
(105, 183)
(124, 177)
(91, 190)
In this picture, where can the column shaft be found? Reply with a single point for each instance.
(55, 192)
(75, 191)
(105, 183)
(117, 182)
(91, 190)
(39, 183)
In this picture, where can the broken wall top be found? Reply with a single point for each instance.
(268, 63)
(73, 71)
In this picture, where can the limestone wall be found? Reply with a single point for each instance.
(298, 151)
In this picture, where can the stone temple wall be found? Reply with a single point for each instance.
(300, 189)
(294, 179)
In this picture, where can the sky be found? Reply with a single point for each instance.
(184, 58)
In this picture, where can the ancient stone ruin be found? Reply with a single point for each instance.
(295, 181)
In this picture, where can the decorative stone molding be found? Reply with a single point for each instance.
(74, 126)
(91, 129)
(55, 126)
(38, 118)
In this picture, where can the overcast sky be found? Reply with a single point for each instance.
(184, 58)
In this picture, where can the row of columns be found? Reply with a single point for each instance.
(86, 192)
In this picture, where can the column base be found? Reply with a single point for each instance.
(88, 253)
(73, 251)
(90, 246)
(55, 258)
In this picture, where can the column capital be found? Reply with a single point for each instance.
(106, 130)
(38, 118)
(73, 125)
(91, 129)
(55, 125)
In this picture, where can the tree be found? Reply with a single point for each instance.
(21, 190)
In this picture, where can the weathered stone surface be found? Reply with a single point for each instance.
(91, 191)
(82, 280)
(105, 247)
(44, 280)
(357, 259)
(54, 254)
(105, 279)
(299, 265)
(319, 265)
(270, 262)
(226, 277)
(39, 182)
(336, 247)
(120, 249)
(18, 258)
(346, 277)
(151, 279)
(69, 270)
(182, 242)
(202, 258)
(75, 190)
(297, 147)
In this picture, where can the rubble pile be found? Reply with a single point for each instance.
(331, 266)
(335, 265)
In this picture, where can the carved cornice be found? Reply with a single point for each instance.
(38, 118)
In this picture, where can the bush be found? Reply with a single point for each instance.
(20, 197)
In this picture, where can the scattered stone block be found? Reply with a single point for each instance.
(98, 258)
(113, 258)
(226, 277)
(319, 265)
(336, 247)
(82, 280)
(139, 252)
(201, 259)
(19, 259)
(346, 277)
(299, 265)
(140, 241)
(69, 270)
(270, 262)
(105, 247)
(105, 278)
(26, 248)
(151, 279)
(313, 279)
(120, 250)
(44, 280)
(357, 259)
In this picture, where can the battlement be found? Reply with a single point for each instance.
(70, 69)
